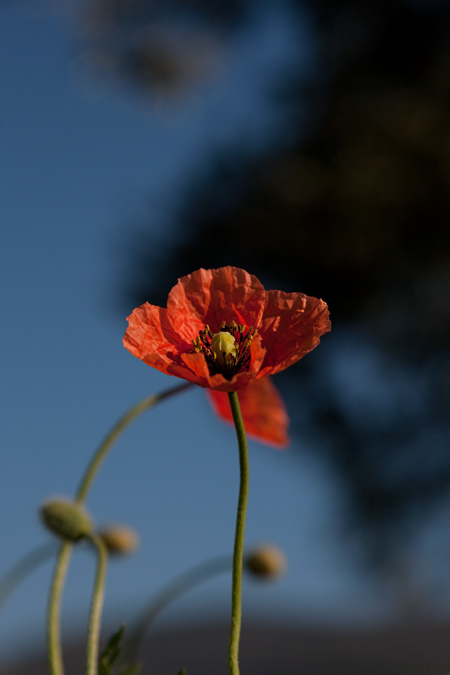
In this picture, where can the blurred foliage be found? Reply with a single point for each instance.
(156, 44)
(354, 209)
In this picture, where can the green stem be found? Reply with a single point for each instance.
(114, 434)
(173, 590)
(54, 638)
(96, 607)
(53, 627)
(238, 556)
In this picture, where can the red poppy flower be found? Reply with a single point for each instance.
(221, 329)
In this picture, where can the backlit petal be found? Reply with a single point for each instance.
(212, 296)
(150, 337)
(263, 411)
(291, 327)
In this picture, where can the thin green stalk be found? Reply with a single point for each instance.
(178, 586)
(115, 432)
(54, 638)
(238, 556)
(53, 626)
(96, 606)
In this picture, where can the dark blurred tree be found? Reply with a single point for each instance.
(354, 209)
(156, 45)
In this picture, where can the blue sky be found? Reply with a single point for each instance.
(78, 163)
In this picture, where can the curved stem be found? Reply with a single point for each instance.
(53, 627)
(54, 639)
(238, 556)
(115, 432)
(23, 567)
(173, 590)
(96, 607)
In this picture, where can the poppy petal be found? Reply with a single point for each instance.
(291, 327)
(149, 336)
(263, 411)
(213, 296)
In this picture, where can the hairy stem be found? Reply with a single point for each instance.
(53, 624)
(96, 607)
(238, 556)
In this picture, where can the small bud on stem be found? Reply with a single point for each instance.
(66, 519)
(119, 539)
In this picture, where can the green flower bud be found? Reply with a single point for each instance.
(119, 539)
(266, 561)
(66, 519)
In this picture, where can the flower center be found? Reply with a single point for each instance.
(224, 347)
(228, 351)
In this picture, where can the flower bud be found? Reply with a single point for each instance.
(266, 561)
(119, 539)
(66, 519)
